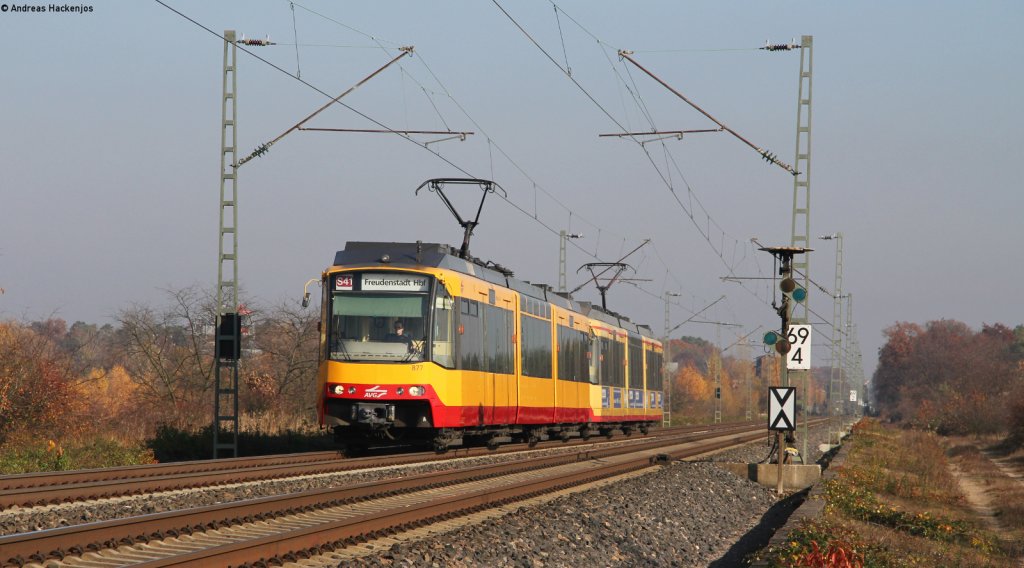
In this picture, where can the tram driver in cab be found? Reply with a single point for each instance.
(399, 335)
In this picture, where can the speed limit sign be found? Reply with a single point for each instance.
(799, 356)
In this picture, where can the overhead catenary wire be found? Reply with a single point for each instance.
(324, 93)
(491, 142)
(547, 226)
(295, 32)
(768, 156)
(263, 148)
(719, 250)
(666, 179)
(565, 53)
(639, 102)
(596, 276)
(634, 92)
(538, 186)
(374, 38)
(334, 45)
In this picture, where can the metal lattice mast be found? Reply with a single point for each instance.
(801, 225)
(743, 350)
(855, 373)
(562, 286)
(835, 384)
(667, 382)
(858, 369)
(225, 422)
(563, 237)
(716, 361)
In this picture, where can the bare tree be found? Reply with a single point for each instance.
(169, 353)
(281, 372)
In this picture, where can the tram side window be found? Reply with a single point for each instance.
(443, 347)
(612, 356)
(573, 348)
(595, 360)
(536, 345)
(636, 363)
(606, 362)
(498, 339)
(471, 338)
(654, 371)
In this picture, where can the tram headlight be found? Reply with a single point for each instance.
(417, 391)
(352, 390)
(337, 389)
(400, 391)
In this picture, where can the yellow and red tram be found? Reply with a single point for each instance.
(420, 345)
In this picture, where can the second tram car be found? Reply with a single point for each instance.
(419, 345)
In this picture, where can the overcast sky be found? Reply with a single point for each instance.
(110, 144)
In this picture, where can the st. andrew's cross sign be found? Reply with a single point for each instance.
(782, 408)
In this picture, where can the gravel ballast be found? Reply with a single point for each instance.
(681, 514)
(684, 514)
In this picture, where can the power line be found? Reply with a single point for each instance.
(490, 140)
(548, 227)
(768, 156)
(642, 106)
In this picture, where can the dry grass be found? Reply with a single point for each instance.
(1004, 492)
(893, 548)
(895, 502)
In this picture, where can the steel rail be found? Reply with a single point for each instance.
(60, 487)
(56, 543)
(268, 550)
(51, 478)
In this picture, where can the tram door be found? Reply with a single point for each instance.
(565, 361)
(506, 382)
(499, 388)
(489, 386)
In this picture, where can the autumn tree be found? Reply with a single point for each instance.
(109, 397)
(739, 384)
(691, 385)
(947, 377)
(90, 347)
(691, 351)
(35, 391)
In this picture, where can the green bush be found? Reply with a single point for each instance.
(173, 444)
(26, 455)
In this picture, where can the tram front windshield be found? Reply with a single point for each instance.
(378, 326)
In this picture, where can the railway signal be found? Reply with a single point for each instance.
(793, 290)
(791, 293)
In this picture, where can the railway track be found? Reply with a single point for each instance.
(289, 527)
(29, 490)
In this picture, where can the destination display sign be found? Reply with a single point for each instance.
(343, 282)
(385, 282)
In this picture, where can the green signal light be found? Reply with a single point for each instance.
(800, 294)
(771, 338)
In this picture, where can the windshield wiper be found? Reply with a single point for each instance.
(413, 351)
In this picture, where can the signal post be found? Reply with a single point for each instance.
(785, 341)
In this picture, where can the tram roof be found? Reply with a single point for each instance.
(436, 255)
